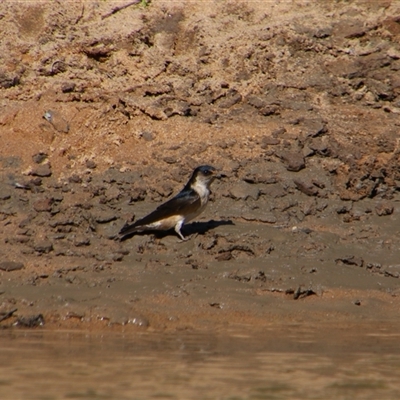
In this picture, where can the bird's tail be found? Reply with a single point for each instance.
(128, 229)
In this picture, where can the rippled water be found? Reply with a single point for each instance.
(290, 364)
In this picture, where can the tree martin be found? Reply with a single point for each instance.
(185, 206)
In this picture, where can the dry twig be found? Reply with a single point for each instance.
(116, 9)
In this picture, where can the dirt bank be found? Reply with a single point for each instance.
(105, 111)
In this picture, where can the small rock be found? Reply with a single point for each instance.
(301, 293)
(17, 239)
(211, 118)
(279, 131)
(306, 188)
(357, 32)
(294, 161)
(224, 256)
(31, 321)
(323, 32)
(307, 151)
(36, 181)
(384, 208)
(58, 197)
(75, 179)
(7, 81)
(320, 147)
(269, 110)
(42, 171)
(208, 243)
(314, 127)
(117, 256)
(39, 157)
(170, 160)
(232, 97)
(44, 246)
(91, 164)
(318, 184)
(73, 314)
(103, 216)
(222, 144)
(244, 190)
(11, 266)
(148, 136)
(111, 193)
(256, 102)
(295, 121)
(68, 87)
(269, 141)
(58, 122)
(255, 177)
(43, 205)
(350, 260)
(275, 190)
(139, 321)
(81, 241)
(344, 209)
(25, 222)
(392, 271)
(393, 53)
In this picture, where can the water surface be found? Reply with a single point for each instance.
(286, 363)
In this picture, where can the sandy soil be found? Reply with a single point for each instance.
(105, 111)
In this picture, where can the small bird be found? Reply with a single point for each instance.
(185, 206)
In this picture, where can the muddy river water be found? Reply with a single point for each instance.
(282, 362)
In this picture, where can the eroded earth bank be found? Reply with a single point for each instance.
(105, 111)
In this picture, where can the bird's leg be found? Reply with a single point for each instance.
(178, 227)
(183, 238)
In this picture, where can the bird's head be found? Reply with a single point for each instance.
(204, 175)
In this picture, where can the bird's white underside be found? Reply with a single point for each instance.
(176, 221)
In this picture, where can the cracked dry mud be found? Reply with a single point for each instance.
(105, 114)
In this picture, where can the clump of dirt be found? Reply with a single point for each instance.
(106, 110)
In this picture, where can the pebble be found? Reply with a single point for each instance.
(293, 161)
(39, 157)
(91, 164)
(350, 260)
(30, 321)
(139, 321)
(44, 246)
(305, 187)
(43, 205)
(11, 266)
(384, 208)
(43, 171)
(68, 87)
(243, 190)
(56, 119)
(81, 241)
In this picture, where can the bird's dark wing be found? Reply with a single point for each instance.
(185, 202)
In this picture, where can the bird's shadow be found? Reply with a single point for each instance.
(203, 227)
(189, 229)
